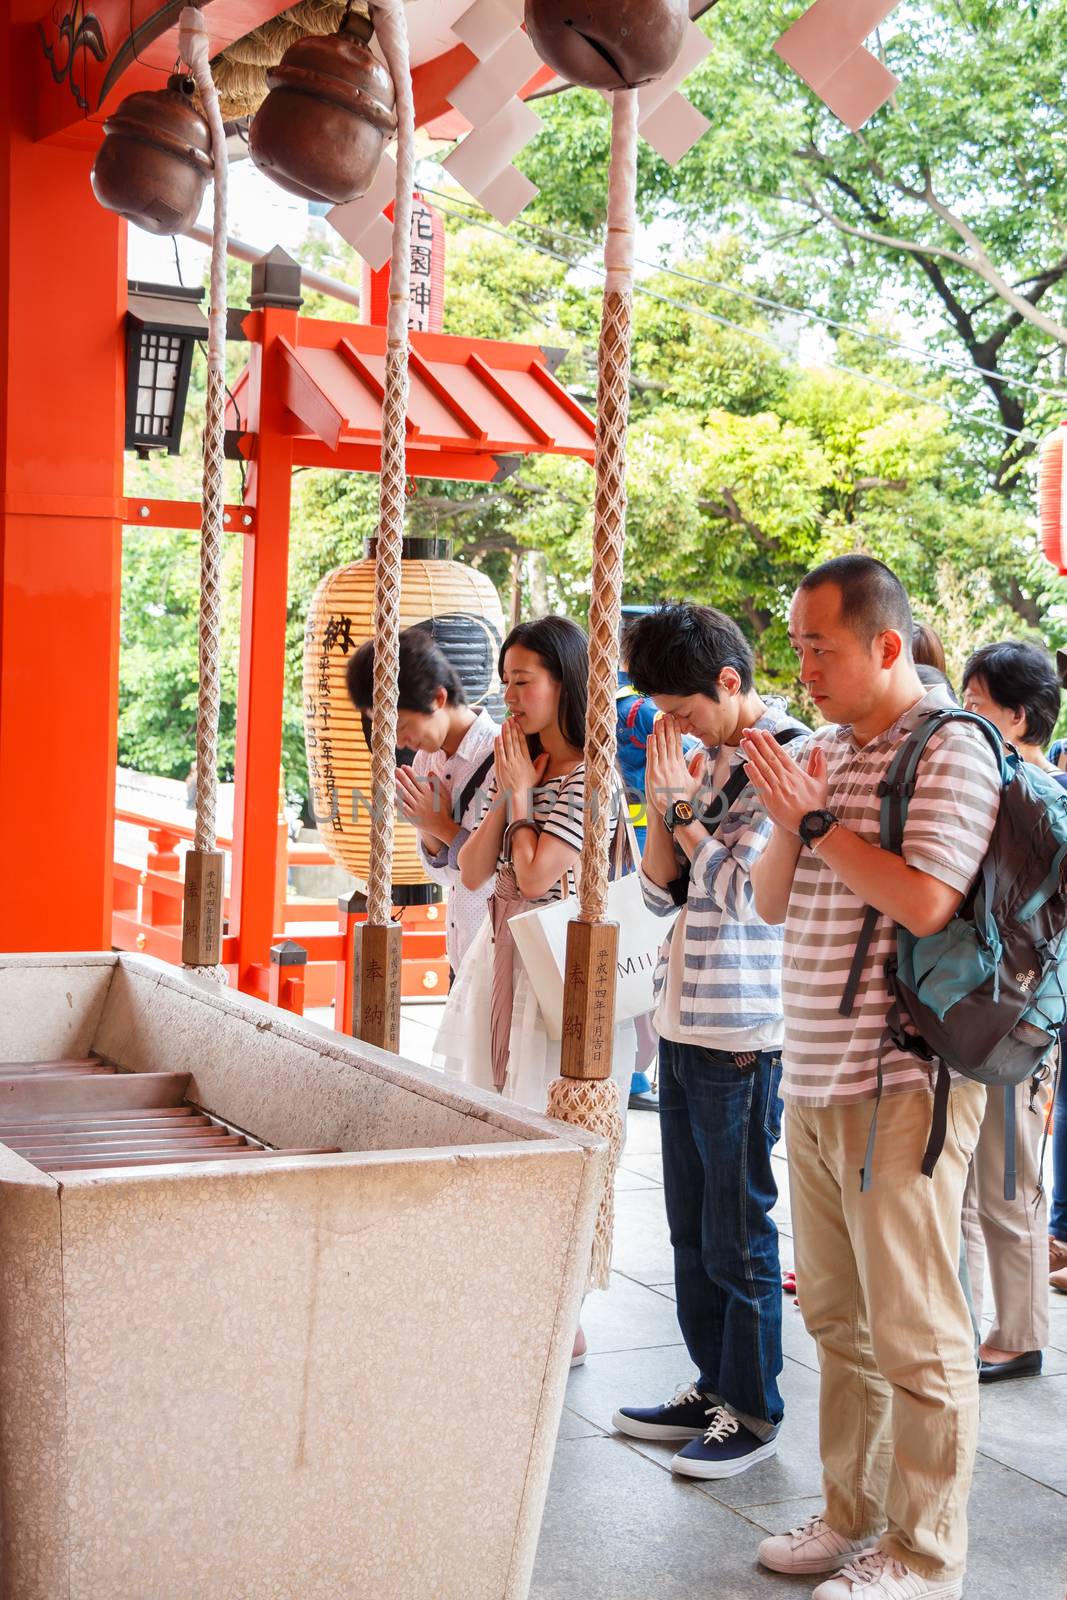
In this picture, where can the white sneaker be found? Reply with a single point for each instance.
(876, 1576)
(813, 1547)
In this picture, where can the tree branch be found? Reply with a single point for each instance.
(981, 264)
(978, 262)
(887, 241)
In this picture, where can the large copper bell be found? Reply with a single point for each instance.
(321, 130)
(155, 161)
(608, 44)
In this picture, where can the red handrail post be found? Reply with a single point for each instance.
(285, 982)
(264, 602)
(351, 911)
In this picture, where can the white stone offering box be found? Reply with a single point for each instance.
(282, 1317)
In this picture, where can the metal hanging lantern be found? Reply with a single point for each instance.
(607, 44)
(163, 324)
(155, 162)
(321, 130)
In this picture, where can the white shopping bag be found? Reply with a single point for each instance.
(541, 939)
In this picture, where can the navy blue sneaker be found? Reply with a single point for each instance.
(725, 1449)
(683, 1417)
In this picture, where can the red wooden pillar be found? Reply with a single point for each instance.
(62, 303)
(275, 303)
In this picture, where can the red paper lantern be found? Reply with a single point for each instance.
(1052, 498)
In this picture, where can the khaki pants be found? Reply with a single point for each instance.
(879, 1288)
(1014, 1232)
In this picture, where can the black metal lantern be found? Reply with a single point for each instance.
(162, 325)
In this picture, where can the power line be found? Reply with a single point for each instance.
(965, 369)
(738, 327)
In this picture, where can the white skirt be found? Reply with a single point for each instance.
(462, 1046)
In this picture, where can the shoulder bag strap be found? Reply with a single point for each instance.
(895, 790)
(470, 788)
(723, 800)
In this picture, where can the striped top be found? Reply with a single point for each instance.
(729, 995)
(558, 809)
(830, 1059)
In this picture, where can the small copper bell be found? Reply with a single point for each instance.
(321, 130)
(607, 44)
(155, 161)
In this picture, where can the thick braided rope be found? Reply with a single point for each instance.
(594, 1106)
(195, 50)
(391, 26)
(609, 523)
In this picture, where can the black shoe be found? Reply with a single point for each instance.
(726, 1449)
(647, 1101)
(1028, 1365)
(683, 1416)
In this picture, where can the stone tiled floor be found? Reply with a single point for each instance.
(618, 1526)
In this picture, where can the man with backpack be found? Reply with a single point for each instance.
(877, 1239)
(718, 989)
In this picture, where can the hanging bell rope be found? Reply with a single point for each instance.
(585, 1094)
(204, 871)
(376, 998)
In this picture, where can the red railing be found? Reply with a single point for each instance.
(147, 917)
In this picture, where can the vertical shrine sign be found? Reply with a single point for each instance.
(427, 273)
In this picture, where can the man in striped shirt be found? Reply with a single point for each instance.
(877, 1271)
(719, 1018)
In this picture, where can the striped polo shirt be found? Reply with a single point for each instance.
(729, 989)
(829, 1059)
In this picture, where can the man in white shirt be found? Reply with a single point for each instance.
(441, 793)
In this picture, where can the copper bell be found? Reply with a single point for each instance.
(607, 44)
(155, 161)
(321, 130)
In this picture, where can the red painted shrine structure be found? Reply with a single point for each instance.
(309, 398)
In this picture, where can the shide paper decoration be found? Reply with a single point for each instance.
(825, 47)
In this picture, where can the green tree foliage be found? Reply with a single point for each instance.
(158, 674)
(757, 448)
(950, 203)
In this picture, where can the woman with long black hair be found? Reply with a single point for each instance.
(528, 843)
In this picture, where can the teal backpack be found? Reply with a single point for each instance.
(987, 996)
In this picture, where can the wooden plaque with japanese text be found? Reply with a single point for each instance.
(589, 999)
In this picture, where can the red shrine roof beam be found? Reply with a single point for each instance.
(474, 402)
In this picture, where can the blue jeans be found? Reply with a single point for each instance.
(1057, 1216)
(719, 1124)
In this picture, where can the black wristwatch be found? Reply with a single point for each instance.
(816, 825)
(678, 814)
